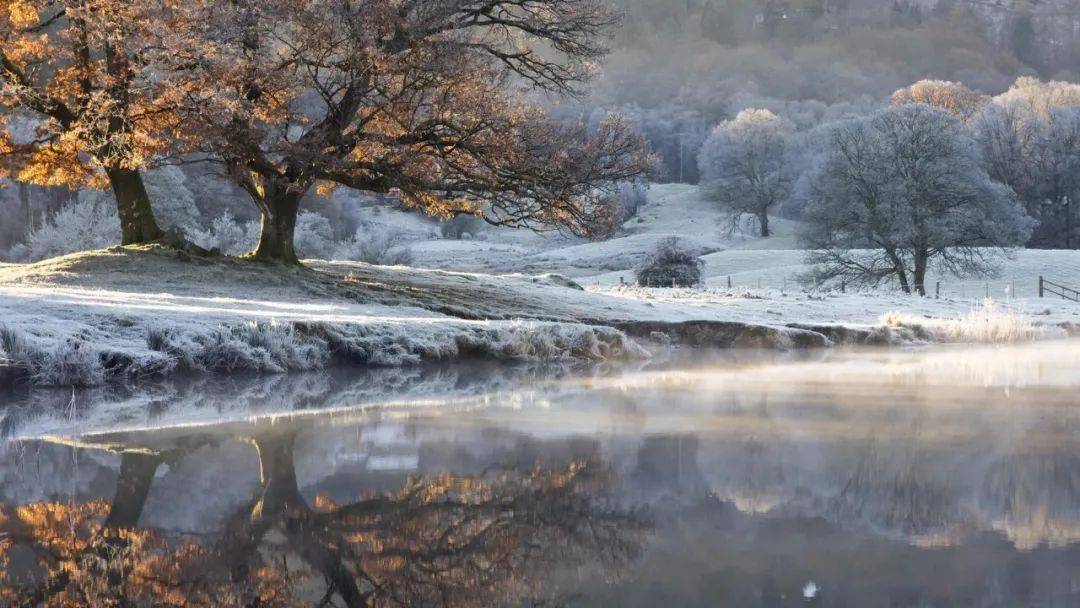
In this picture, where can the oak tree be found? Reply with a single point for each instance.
(74, 68)
(429, 100)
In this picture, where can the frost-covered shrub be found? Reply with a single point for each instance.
(630, 198)
(459, 226)
(19, 252)
(89, 223)
(670, 265)
(382, 248)
(314, 237)
(14, 349)
(227, 235)
(393, 345)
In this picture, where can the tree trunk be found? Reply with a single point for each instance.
(921, 259)
(1068, 222)
(763, 221)
(277, 476)
(919, 276)
(28, 210)
(137, 224)
(902, 275)
(136, 474)
(281, 501)
(277, 229)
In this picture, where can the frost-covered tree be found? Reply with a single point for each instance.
(953, 97)
(1041, 97)
(901, 190)
(1029, 140)
(91, 222)
(744, 165)
(1010, 141)
(227, 235)
(314, 236)
(1060, 166)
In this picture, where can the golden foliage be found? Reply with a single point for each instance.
(325, 188)
(22, 13)
(59, 163)
(83, 564)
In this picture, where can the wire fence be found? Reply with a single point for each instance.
(938, 288)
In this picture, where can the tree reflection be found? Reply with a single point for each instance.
(502, 537)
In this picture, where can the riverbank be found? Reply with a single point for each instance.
(92, 317)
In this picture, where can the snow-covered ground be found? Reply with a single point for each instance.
(747, 278)
(81, 318)
(121, 312)
(672, 210)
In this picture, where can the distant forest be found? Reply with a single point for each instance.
(680, 67)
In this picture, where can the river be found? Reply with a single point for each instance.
(944, 476)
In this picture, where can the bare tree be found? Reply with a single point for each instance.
(744, 165)
(900, 190)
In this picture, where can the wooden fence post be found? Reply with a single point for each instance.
(1040, 286)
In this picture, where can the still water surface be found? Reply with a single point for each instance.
(937, 477)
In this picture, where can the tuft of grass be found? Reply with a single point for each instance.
(72, 363)
(986, 323)
(260, 347)
(14, 349)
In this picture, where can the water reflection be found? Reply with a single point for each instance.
(864, 476)
(503, 535)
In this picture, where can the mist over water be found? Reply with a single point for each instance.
(923, 477)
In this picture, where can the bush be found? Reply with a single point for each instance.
(314, 236)
(460, 225)
(89, 223)
(670, 266)
(381, 248)
(227, 235)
